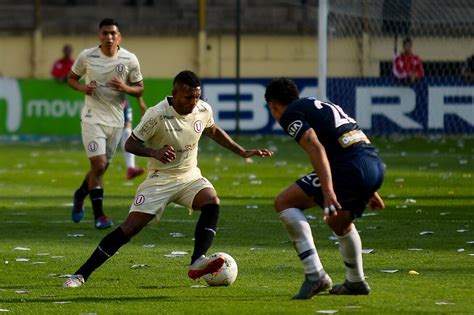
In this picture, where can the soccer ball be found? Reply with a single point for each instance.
(224, 276)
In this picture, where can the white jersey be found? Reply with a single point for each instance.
(162, 125)
(105, 106)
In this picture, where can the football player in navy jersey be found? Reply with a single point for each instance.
(347, 174)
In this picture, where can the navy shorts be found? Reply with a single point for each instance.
(355, 179)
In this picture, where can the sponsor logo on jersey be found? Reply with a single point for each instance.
(187, 148)
(148, 126)
(166, 117)
(351, 137)
(120, 68)
(198, 126)
(139, 200)
(92, 146)
(294, 127)
(93, 56)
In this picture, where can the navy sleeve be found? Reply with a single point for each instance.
(294, 124)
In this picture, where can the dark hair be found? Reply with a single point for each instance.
(108, 22)
(282, 90)
(407, 40)
(188, 78)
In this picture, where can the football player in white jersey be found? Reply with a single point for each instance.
(169, 134)
(110, 72)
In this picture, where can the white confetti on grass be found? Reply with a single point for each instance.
(462, 230)
(389, 270)
(21, 259)
(415, 249)
(22, 291)
(327, 311)
(444, 303)
(176, 253)
(198, 286)
(4, 310)
(369, 214)
(176, 234)
(426, 232)
(75, 235)
(139, 266)
(62, 302)
(367, 250)
(148, 245)
(21, 248)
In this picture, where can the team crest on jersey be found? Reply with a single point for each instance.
(198, 126)
(120, 68)
(139, 200)
(294, 127)
(92, 146)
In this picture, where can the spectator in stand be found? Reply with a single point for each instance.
(468, 69)
(61, 67)
(407, 65)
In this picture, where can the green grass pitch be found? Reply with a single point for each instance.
(428, 188)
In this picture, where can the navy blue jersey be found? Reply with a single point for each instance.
(337, 132)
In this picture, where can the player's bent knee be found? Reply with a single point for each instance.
(281, 203)
(340, 224)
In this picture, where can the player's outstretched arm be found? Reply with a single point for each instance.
(221, 137)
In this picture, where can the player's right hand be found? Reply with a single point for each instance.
(91, 87)
(166, 154)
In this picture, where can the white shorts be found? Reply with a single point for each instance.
(156, 192)
(100, 139)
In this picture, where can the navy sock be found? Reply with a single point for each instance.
(82, 191)
(106, 249)
(205, 230)
(97, 195)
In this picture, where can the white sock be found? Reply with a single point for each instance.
(300, 234)
(350, 247)
(129, 157)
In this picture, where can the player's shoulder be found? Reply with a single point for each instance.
(203, 106)
(126, 54)
(93, 52)
(161, 108)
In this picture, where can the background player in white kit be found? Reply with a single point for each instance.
(110, 72)
(132, 170)
(169, 134)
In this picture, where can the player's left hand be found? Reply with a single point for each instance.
(117, 85)
(257, 152)
(331, 205)
(376, 202)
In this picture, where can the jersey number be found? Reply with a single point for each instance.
(340, 118)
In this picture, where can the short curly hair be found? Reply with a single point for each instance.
(282, 90)
(188, 78)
